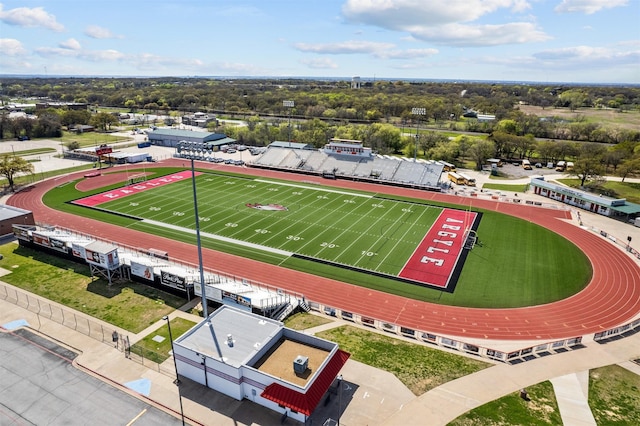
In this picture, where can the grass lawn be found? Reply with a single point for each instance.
(159, 351)
(36, 151)
(542, 409)
(506, 187)
(628, 190)
(517, 263)
(128, 305)
(419, 367)
(303, 320)
(614, 396)
(91, 138)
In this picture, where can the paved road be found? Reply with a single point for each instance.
(39, 385)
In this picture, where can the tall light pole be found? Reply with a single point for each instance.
(205, 314)
(339, 397)
(175, 365)
(290, 105)
(419, 112)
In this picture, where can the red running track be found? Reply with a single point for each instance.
(611, 298)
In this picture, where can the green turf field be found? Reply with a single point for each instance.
(358, 230)
(517, 264)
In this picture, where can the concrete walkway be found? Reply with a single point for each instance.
(572, 394)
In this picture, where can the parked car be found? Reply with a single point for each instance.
(538, 165)
(23, 138)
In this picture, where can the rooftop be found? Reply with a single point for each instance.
(278, 362)
(249, 333)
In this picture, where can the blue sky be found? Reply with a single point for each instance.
(582, 41)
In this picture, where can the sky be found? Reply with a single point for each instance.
(573, 41)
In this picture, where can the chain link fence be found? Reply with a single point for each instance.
(84, 325)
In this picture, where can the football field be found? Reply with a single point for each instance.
(357, 231)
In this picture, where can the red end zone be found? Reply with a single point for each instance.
(436, 257)
(114, 194)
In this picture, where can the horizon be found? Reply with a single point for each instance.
(577, 41)
(320, 78)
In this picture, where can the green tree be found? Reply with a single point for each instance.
(481, 150)
(131, 104)
(103, 121)
(10, 166)
(589, 162)
(628, 167)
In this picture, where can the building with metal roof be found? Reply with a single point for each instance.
(10, 215)
(244, 355)
(606, 206)
(171, 137)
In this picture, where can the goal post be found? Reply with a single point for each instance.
(137, 178)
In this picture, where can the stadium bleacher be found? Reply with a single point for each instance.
(381, 168)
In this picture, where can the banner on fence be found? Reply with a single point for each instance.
(236, 300)
(21, 233)
(58, 245)
(40, 239)
(172, 280)
(142, 271)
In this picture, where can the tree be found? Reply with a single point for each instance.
(131, 104)
(10, 166)
(103, 121)
(589, 162)
(481, 150)
(628, 167)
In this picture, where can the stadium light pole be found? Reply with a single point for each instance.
(205, 314)
(175, 365)
(339, 398)
(290, 105)
(419, 112)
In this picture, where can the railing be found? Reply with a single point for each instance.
(80, 323)
(517, 356)
(43, 308)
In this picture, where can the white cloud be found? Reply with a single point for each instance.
(344, 47)
(406, 54)
(446, 21)
(11, 47)
(87, 55)
(71, 44)
(590, 56)
(320, 63)
(588, 6)
(480, 35)
(95, 31)
(30, 18)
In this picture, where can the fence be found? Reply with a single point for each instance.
(624, 243)
(80, 323)
(43, 308)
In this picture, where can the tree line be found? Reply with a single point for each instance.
(379, 114)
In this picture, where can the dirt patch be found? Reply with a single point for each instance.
(606, 117)
(95, 182)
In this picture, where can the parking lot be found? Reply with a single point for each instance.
(40, 385)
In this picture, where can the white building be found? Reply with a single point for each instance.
(606, 206)
(244, 355)
(347, 147)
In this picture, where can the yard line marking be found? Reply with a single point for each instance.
(355, 194)
(219, 238)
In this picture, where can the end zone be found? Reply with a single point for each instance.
(114, 194)
(435, 260)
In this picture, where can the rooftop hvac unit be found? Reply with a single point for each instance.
(300, 364)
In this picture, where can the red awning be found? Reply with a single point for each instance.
(305, 403)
